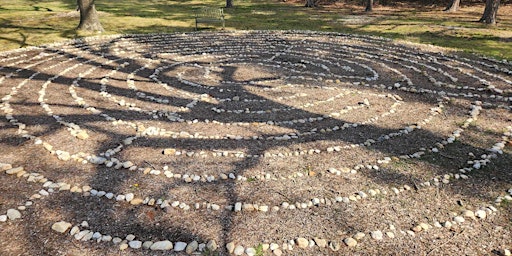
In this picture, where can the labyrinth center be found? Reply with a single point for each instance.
(287, 142)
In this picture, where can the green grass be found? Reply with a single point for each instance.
(33, 22)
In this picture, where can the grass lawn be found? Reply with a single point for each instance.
(27, 23)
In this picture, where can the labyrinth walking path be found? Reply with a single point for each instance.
(254, 143)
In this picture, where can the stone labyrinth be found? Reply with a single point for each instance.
(256, 142)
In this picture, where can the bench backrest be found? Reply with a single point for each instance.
(209, 12)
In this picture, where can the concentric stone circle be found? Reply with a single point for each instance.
(174, 119)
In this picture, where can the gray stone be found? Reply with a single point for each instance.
(135, 244)
(191, 247)
(179, 246)
(147, 244)
(335, 246)
(212, 245)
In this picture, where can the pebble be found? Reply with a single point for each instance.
(230, 247)
(161, 246)
(123, 246)
(469, 214)
(277, 252)
(61, 226)
(377, 235)
(13, 214)
(350, 242)
(179, 246)
(359, 236)
(135, 244)
(3, 218)
(302, 242)
(335, 246)
(390, 235)
(239, 250)
(212, 245)
(322, 243)
(192, 247)
(459, 219)
(481, 214)
(250, 251)
(147, 244)
(128, 197)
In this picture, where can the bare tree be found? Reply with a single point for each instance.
(454, 6)
(490, 12)
(89, 19)
(369, 6)
(312, 3)
(229, 3)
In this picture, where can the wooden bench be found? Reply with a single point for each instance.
(210, 15)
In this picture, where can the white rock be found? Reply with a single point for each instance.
(239, 250)
(13, 214)
(61, 226)
(377, 235)
(161, 246)
(129, 197)
(481, 214)
(459, 219)
(3, 218)
(350, 242)
(250, 251)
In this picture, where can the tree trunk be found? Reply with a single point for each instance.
(490, 12)
(454, 6)
(89, 19)
(369, 6)
(310, 3)
(229, 3)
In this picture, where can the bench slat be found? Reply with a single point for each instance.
(210, 15)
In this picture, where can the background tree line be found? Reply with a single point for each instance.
(89, 19)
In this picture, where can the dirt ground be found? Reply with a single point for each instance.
(320, 136)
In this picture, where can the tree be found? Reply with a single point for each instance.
(369, 6)
(454, 6)
(311, 3)
(89, 19)
(490, 12)
(229, 3)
